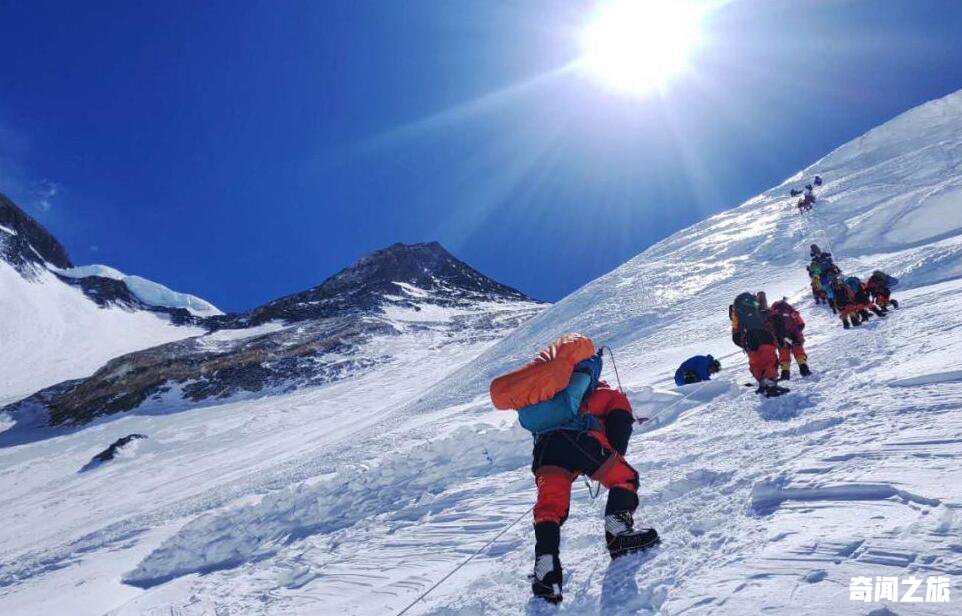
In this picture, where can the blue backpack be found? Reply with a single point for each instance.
(561, 411)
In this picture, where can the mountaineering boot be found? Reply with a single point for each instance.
(786, 375)
(769, 389)
(878, 312)
(845, 324)
(804, 370)
(775, 391)
(764, 385)
(622, 537)
(546, 581)
(865, 315)
(894, 303)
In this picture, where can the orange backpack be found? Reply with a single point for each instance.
(540, 380)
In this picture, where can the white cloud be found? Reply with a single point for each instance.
(44, 195)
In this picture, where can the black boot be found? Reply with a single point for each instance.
(878, 312)
(845, 324)
(894, 303)
(804, 370)
(865, 315)
(786, 375)
(547, 578)
(623, 538)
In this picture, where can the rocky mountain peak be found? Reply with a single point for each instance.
(388, 275)
(24, 243)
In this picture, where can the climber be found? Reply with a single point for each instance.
(818, 291)
(845, 304)
(862, 298)
(696, 369)
(824, 265)
(879, 288)
(787, 325)
(751, 332)
(582, 430)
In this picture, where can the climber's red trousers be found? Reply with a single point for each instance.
(580, 454)
(763, 362)
(785, 354)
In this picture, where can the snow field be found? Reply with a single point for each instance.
(50, 332)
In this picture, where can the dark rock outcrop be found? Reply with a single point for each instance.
(31, 244)
(108, 454)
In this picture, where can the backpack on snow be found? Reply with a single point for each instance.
(547, 392)
(747, 313)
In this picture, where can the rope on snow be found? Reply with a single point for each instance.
(458, 568)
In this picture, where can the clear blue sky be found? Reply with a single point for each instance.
(243, 150)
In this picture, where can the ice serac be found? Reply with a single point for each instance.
(335, 330)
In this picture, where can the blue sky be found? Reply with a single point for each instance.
(244, 150)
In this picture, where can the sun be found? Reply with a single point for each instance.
(638, 46)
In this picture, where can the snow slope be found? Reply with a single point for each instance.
(51, 332)
(357, 497)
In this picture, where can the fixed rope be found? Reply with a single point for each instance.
(469, 559)
(614, 366)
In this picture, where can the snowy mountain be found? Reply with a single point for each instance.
(348, 325)
(59, 322)
(358, 495)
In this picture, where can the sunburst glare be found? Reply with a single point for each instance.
(637, 47)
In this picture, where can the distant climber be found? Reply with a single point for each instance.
(853, 302)
(807, 202)
(823, 267)
(862, 298)
(843, 302)
(787, 325)
(581, 427)
(697, 369)
(752, 333)
(879, 288)
(818, 291)
(818, 180)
